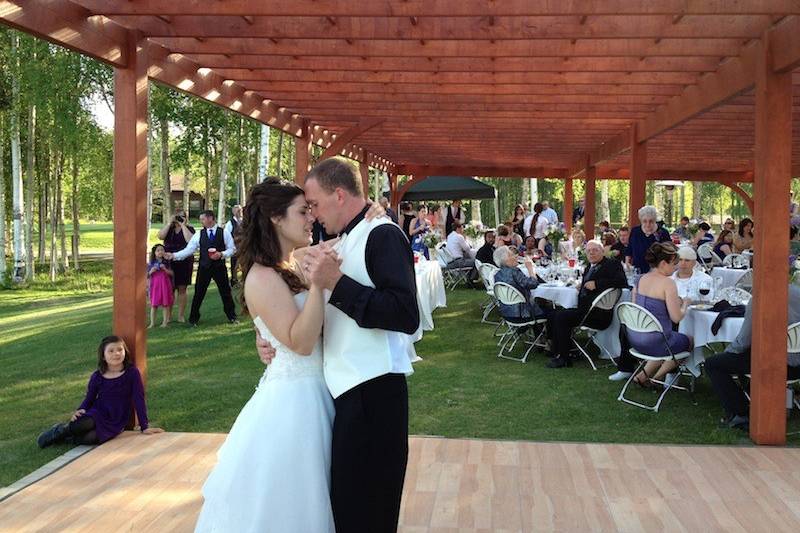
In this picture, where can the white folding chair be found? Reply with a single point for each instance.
(707, 257)
(606, 300)
(746, 281)
(730, 260)
(487, 272)
(639, 319)
(523, 329)
(792, 346)
(733, 294)
(453, 276)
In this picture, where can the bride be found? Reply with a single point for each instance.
(273, 471)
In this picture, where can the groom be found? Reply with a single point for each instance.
(371, 310)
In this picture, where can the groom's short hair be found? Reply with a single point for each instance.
(336, 173)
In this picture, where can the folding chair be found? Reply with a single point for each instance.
(453, 276)
(523, 329)
(707, 257)
(732, 294)
(639, 319)
(730, 260)
(606, 300)
(792, 346)
(487, 272)
(746, 281)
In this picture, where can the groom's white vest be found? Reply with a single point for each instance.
(354, 354)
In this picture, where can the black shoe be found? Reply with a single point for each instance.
(192, 324)
(233, 321)
(55, 434)
(559, 362)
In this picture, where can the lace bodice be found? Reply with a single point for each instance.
(288, 364)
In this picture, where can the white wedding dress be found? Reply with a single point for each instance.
(273, 471)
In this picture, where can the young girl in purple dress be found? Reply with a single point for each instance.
(113, 388)
(160, 275)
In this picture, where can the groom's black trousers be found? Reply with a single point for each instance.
(370, 452)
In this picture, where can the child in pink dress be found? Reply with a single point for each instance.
(160, 276)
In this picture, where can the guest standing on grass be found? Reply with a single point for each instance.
(230, 227)
(160, 276)
(216, 245)
(176, 235)
(113, 388)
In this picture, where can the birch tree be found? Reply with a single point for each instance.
(16, 169)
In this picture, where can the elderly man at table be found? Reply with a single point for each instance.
(735, 360)
(601, 274)
(485, 253)
(643, 236)
(458, 248)
(505, 257)
(687, 276)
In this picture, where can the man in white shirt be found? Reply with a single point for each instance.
(687, 276)
(215, 244)
(463, 256)
(549, 213)
(230, 227)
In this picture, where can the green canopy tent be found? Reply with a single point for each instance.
(453, 188)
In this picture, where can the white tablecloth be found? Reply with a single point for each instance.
(729, 276)
(430, 294)
(564, 296)
(697, 325)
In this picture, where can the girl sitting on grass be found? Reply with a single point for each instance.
(104, 413)
(160, 275)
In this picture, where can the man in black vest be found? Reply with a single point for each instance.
(230, 227)
(454, 214)
(215, 244)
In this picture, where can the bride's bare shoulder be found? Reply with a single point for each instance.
(261, 278)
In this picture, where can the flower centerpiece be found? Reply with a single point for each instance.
(555, 234)
(431, 239)
(473, 230)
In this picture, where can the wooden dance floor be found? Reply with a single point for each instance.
(152, 483)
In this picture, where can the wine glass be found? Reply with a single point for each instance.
(704, 289)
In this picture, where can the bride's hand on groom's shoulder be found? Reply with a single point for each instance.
(266, 352)
(375, 211)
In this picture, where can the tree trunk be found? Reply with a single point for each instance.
(166, 211)
(605, 210)
(2, 200)
(697, 192)
(53, 225)
(186, 191)
(263, 153)
(16, 171)
(30, 182)
(149, 170)
(223, 179)
(682, 207)
(280, 151)
(62, 234)
(76, 219)
(44, 201)
(206, 167)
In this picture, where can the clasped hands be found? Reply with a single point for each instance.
(320, 266)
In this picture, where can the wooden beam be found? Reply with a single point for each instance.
(773, 163)
(591, 202)
(742, 193)
(363, 170)
(504, 172)
(447, 8)
(786, 45)
(130, 203)
(302, 154)
(66, 24)
(406, 186)
(342, 140)
(569, 204)
(638, 180)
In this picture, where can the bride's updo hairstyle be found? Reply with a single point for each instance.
(257, 238)
(660, 251)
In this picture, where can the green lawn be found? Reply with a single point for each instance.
(199, 378)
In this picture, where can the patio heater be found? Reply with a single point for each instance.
(669, 188)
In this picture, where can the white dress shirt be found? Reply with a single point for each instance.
(685, 284)
(541, 226)
(458, 247)
(194, 244)
(551, 215)
(229, 226)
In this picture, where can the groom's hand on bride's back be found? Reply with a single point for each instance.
(266, 352)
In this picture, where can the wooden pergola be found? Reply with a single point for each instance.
(570, 89)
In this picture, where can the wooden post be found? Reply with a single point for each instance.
(638, 178)
(773, 165)
(393, 192)
(569, 200)
(363, 169)
(590, 206)
(130, 203)
(302, 154)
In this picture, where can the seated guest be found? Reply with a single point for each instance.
(516, 242)
(545, 247)
(683, 230)
(603, 273)
(505, 257)
(687, 275)
(619, 248)
(604, 227)
(703, 235)
(743, 239)
(463, 256)
(530, 244)
(503, 237)
(485, 253)
(657, 292)
(574, 244)
(735, 361)
(794, 241)
(724, 245)
(609, 240)
(643, 236)
(729, 225)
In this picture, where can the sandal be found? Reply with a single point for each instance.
(645, 384)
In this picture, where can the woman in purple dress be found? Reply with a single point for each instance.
(105, 411)
(656, 291)
(176, 235)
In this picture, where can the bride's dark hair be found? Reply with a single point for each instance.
(257, 238)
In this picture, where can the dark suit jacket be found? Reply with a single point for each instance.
(608, 275)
